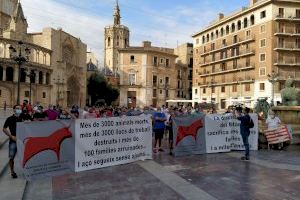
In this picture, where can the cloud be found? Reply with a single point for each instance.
(89, 27)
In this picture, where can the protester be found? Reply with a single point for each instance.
(38, 114)
(75, 111)
(65, 115)
(273, 122)
(10, 129)
(91, 114)
(51, 113)
(170, 131)
(158, 128)
(244, 129)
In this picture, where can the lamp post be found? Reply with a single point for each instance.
(273, 78)
(17, 54)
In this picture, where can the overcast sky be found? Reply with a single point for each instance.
(164, 22)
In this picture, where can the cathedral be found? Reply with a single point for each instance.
(55, 71)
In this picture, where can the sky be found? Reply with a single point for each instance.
(166, 23)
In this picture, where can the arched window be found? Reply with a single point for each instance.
(47, 78)
(239, 25)
(232, 27)
(207, 38)
(252, 20)
(108, 41)
(203, 39)
(118, 41)
(212, 35)
(40, 77)
(227, 30)
(9, 74)
(32, 76)
(217, 33)
(222, 32)
(23, 75)
(1, 73)
(245, 22)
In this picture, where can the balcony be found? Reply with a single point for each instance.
(229, 70)
(288, 46)
(291, 62)
(229, 81)
(292, 17)
(229, 45)
(246, 52)
(287, 31)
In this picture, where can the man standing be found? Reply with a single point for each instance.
(159, 128)
(10, 129)
(244, 129)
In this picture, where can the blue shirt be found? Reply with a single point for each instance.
(245, 120)
(158, 124)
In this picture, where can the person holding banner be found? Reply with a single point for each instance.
(159, 128)
(10, 129)
(244, 129)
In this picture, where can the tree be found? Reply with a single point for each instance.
(100, 90)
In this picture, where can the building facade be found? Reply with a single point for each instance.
(57, 62)
(116, 37)
(234, 55)
(148, 76)
(184, 66)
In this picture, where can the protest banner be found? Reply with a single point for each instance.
(189, 135)
(52, 148)
(210, 134)
(112, 141)
(45, 148)
(222, 133)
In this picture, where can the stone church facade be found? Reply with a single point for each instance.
(57, 60)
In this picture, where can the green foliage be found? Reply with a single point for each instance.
(290, 95)
(100, 90)
(262, 106)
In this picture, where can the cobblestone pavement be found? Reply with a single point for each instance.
(213, 176)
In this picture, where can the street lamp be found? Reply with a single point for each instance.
(273, 78)
(17, 54)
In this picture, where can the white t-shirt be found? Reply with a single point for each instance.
(273, 123)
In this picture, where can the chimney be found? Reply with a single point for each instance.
(221, 16)
(146, 44)
(252, 2)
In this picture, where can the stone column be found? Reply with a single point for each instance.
(16, 74)
(27, 78)
(44, 78)
(36, 77)
(4, 73)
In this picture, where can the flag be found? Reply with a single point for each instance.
(275, 136)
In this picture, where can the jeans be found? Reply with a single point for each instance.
(245, 137)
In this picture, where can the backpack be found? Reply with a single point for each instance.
(251, 123)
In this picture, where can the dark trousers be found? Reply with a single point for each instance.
(245, 137)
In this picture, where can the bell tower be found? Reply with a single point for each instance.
(116, 37)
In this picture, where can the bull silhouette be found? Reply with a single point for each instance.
(191, 130)
(36, 145)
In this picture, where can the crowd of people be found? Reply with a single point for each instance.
(162, 118)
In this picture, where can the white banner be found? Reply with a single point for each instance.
(112, 141)
(222, 133)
